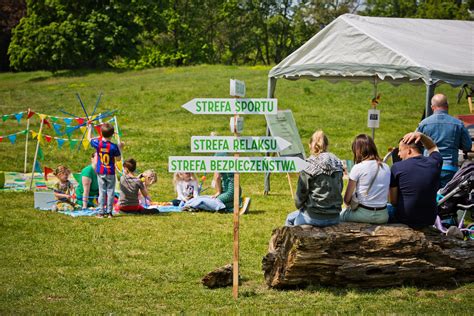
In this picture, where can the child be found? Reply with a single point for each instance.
(186, 186)
(130, 187)
(148, 177)
(107, 153)
(63, 190)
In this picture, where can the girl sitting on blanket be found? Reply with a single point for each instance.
(63, 190)
(148, 177)
(186, 186)
(130, 187)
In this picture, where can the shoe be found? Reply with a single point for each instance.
(455, 232)
(109, 216)
(100, 216)
(245, 206)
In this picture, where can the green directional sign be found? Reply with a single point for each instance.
(212, 144)
(232, 106)
(233, 164)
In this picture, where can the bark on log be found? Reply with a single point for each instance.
(364, 255)
(221, 277)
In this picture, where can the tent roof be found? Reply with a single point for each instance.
(394, 49)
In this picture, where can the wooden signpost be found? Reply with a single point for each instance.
(236, 144)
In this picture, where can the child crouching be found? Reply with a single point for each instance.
(130, 187)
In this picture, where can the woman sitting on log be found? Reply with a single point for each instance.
(369, 180)
(319, 192)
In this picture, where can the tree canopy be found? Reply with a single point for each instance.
(63, 34)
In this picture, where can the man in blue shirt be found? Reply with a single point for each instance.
(448, 133)
(414, 182)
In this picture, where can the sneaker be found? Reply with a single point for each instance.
(455, 232)
(245, 206)
(100, 216)
(109, 216)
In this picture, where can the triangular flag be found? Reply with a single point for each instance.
(34, 134)
(57, 128)
(53, 118)
(38, 167)
(1, 138)
(5, 117)
(67, 120)
(46, 122)
(72, 143)
(40, 153)
(24, 132)
(42, 116)
(112, 120)
(48, 138)
(30, 114)
(85, 144)
(83, 129)
(12, 138)
(118, 165)
(18, 116)
(98, 129)
(46, 172)
(60, 142)
(70, 129)
(79, 120)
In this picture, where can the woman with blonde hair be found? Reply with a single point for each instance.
(369, 182)
(318, 195)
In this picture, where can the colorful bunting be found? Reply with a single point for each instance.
(48, 138)
(18, 116)
(67, 120)
(83, 129)
(79, 120)
(5, 117)
(73, 143)
(38, 167)
(42, 116)
(99, 129)
(40, 153)
(53, 118)
(30, 114)
(57, 128)
(46, 172)
(1, 139)
(60, 142)
(46, 122)
(12, 138)
(85, 144)
(34, 134)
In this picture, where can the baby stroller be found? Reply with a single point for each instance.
(457, 195)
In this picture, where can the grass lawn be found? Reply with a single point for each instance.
(52, 263)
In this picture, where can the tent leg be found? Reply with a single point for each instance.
(430, 89)
(270, 93)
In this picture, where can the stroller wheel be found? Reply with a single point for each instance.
(470, 233)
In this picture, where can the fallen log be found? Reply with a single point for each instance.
(366, 256)
(220, 277)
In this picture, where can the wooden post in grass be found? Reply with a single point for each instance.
(26, 140)
(235, 272)
(36, 152)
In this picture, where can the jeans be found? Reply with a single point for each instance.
(446, 176)
(205, 203)
(298, 217)
(106, 190)
(391, 213)
(363, 215)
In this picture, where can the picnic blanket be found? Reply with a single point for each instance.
(18, 181)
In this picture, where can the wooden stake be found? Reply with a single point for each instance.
(36, 153)
(235, 271)
(26, 141)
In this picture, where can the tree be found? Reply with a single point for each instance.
(11, 11)
(73, 34)
(427, 9)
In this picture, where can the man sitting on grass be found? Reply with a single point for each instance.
(415, 181)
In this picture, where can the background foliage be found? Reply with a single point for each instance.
(63, 34)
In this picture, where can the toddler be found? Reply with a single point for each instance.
(186, 186)
(63, 190)
(148, 177)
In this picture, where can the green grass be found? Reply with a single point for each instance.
(52, 263)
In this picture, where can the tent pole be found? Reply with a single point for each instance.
(270, 94)
(375, 97)
(430, 89)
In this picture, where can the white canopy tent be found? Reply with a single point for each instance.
(395, 50)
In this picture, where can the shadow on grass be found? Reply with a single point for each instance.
(76, 73)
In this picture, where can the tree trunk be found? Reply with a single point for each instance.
(364, 255)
